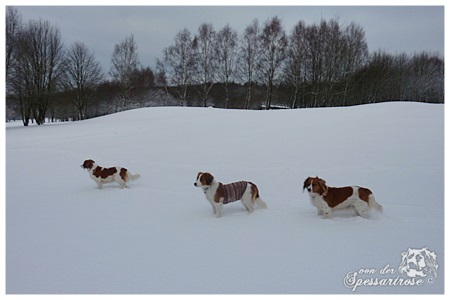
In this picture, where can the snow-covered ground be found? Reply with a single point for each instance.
(63, 235)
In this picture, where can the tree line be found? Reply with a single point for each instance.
(317, 65)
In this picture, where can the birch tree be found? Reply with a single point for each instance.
(356, 56)
(178, 65)
(124, 64)
(296, 61)
(249, 53)
(273, 47)
(206, 65)
(226, 54)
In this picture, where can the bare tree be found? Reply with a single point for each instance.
(314, 62)
(226, 53)
(125, 62)
(82, 75)
(273, 47)
(296, 61)
(39, 58)
(418, 77)
(177, 68)
(426, 78)
(144, 78)
(13, 26)
(161, 79)
(206, 64)
(324, 53)
(377, 76)
(356, 55)
(332, 58)
(248, 56)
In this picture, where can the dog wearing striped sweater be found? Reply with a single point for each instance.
(219, 194)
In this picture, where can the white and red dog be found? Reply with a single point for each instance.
(107, 175)
(328, 199)
(219, 194)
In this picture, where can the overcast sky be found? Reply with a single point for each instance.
(395, 29)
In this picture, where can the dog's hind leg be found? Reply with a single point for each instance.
(362, 208)
(248, 204)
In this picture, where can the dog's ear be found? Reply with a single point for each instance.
(208, 178)
(88, 164)
(323, 186)
(306, 183)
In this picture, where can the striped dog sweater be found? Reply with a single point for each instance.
(233, 191)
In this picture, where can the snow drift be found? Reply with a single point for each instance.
(63, 235)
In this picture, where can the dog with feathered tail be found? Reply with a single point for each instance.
(219, 194)
(107, 175)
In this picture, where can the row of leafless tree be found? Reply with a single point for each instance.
(323, 64)
(260, 55)
(39, 68)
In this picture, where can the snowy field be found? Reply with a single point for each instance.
(159, 236)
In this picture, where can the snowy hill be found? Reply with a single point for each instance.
(63, 235)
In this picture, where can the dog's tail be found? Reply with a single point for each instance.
(259, 203)
(375, 204)
(131, 177)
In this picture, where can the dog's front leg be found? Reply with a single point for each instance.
(327, 212)
(213, 206)
(323, 209)
(218, 211)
